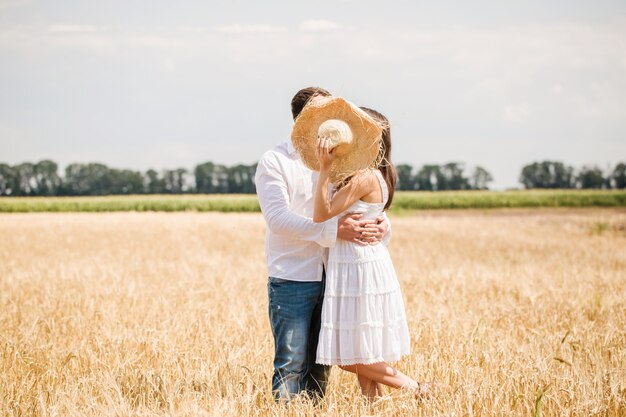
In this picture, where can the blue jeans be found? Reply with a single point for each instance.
(295, 310)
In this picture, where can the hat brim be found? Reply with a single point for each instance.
(359, 154)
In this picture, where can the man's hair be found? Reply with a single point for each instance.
(303, 96)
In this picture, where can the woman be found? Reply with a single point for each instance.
(363, 320)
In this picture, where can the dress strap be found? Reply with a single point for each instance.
(383, 185)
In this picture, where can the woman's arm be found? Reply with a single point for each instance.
(325, 207)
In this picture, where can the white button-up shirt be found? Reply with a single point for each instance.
(294, 243)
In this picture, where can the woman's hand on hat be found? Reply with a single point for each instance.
(324, 154)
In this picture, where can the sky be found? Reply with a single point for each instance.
(160, 84)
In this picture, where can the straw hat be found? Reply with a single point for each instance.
(355, 136)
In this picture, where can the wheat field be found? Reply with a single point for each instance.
(520, 312)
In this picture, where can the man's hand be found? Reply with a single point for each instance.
(362, 232)
(383, 227)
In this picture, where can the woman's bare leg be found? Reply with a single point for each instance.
(382, 373)
(369, 388)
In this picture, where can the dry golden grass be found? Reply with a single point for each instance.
(120, 314)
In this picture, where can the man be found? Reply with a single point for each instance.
(295, 249)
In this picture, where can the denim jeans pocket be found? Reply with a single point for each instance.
(277, 289)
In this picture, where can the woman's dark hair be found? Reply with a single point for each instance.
(385, 166)
(303, 96)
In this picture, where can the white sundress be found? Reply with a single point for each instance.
(363, 318)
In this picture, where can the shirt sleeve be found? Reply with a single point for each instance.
(273, 194)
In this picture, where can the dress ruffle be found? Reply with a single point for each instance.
(363, 317)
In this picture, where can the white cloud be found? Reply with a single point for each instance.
(155, 41)
(6, 4)
(170, 65)
(194, 29)
(237, 28)
(317, 25)
(556, 88)
(77, 29)
(517, 113)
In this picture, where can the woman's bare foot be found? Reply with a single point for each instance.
(423, 391)
(428, 389)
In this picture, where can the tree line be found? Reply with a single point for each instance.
(544, 174)
(43, 179)
(553, 174)
(85, 179)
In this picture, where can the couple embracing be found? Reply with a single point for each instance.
(334, 298)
